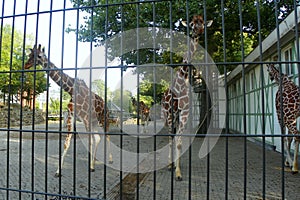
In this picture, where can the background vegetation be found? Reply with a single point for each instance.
(233, 35)
(13, 80)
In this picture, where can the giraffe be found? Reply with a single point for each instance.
(143, 110)
(89, 107)
(291, 111)
(175, 100)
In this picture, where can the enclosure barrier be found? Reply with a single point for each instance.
(136, 77)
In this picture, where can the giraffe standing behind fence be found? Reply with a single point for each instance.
(290, 109)
(175, 101)
(88, 106)
(143, 112)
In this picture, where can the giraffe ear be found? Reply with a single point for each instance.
(184, 23)
(43, 49)
(209, 23)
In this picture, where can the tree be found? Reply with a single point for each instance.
(54, 106)
(14, 81)
(104, 22)
(152, 92)
(98, 87)
(126, 100)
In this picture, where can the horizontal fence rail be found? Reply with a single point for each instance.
(149, 99)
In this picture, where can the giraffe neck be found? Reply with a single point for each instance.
(191, 51)
(280, 79)
(60, 78)
(181, 77)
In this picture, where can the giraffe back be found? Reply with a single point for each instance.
(90, 107)
(290, 93)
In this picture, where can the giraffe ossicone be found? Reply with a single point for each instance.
(84, 104)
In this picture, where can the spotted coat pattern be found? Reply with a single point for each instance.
(143, 110)
(175, 100)
(86, 105)
(287, 105)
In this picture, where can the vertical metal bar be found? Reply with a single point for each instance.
(244, 97)
(189, 125)
(281, 100)
(154, 95)
(7, 143)
(138, 100)
(61, 95)
(49, 47)
(9, 94)
(208, 99)
(33, 119)
(105, 108)
(226, 88)
(172, 109)
(262, 101)
(59, 139)
(121, 120)
(90, 131)
(74, 120)
(21, 99)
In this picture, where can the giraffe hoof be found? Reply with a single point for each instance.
(294, 172)
(110, 162)
(178, 178)
(171, 167)
(92, 170)
(57, 175)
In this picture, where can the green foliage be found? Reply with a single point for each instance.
(240, 25)
(98, 87)
(12, 78)
(125, 104)
(152, 92)
(104, 22)
(54, 106)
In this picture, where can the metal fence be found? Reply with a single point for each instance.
(97, 57)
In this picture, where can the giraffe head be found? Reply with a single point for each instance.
(133, 101)
(37, 56)
(197, 25)
(275, 75)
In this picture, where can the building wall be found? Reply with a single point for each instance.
(250, 119)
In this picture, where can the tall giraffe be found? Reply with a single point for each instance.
(143, 110)
(175, 102)
(89, 107)
(290, 108)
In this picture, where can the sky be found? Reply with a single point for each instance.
(49, 33)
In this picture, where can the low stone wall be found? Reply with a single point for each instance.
(14, 116)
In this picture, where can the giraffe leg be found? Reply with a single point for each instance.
(292, 127)
(183, 119)
(110, 159)
(287, 146)
(295, 163)
(93, 151)
(66, 145)
(178, 175)
(170, 153)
